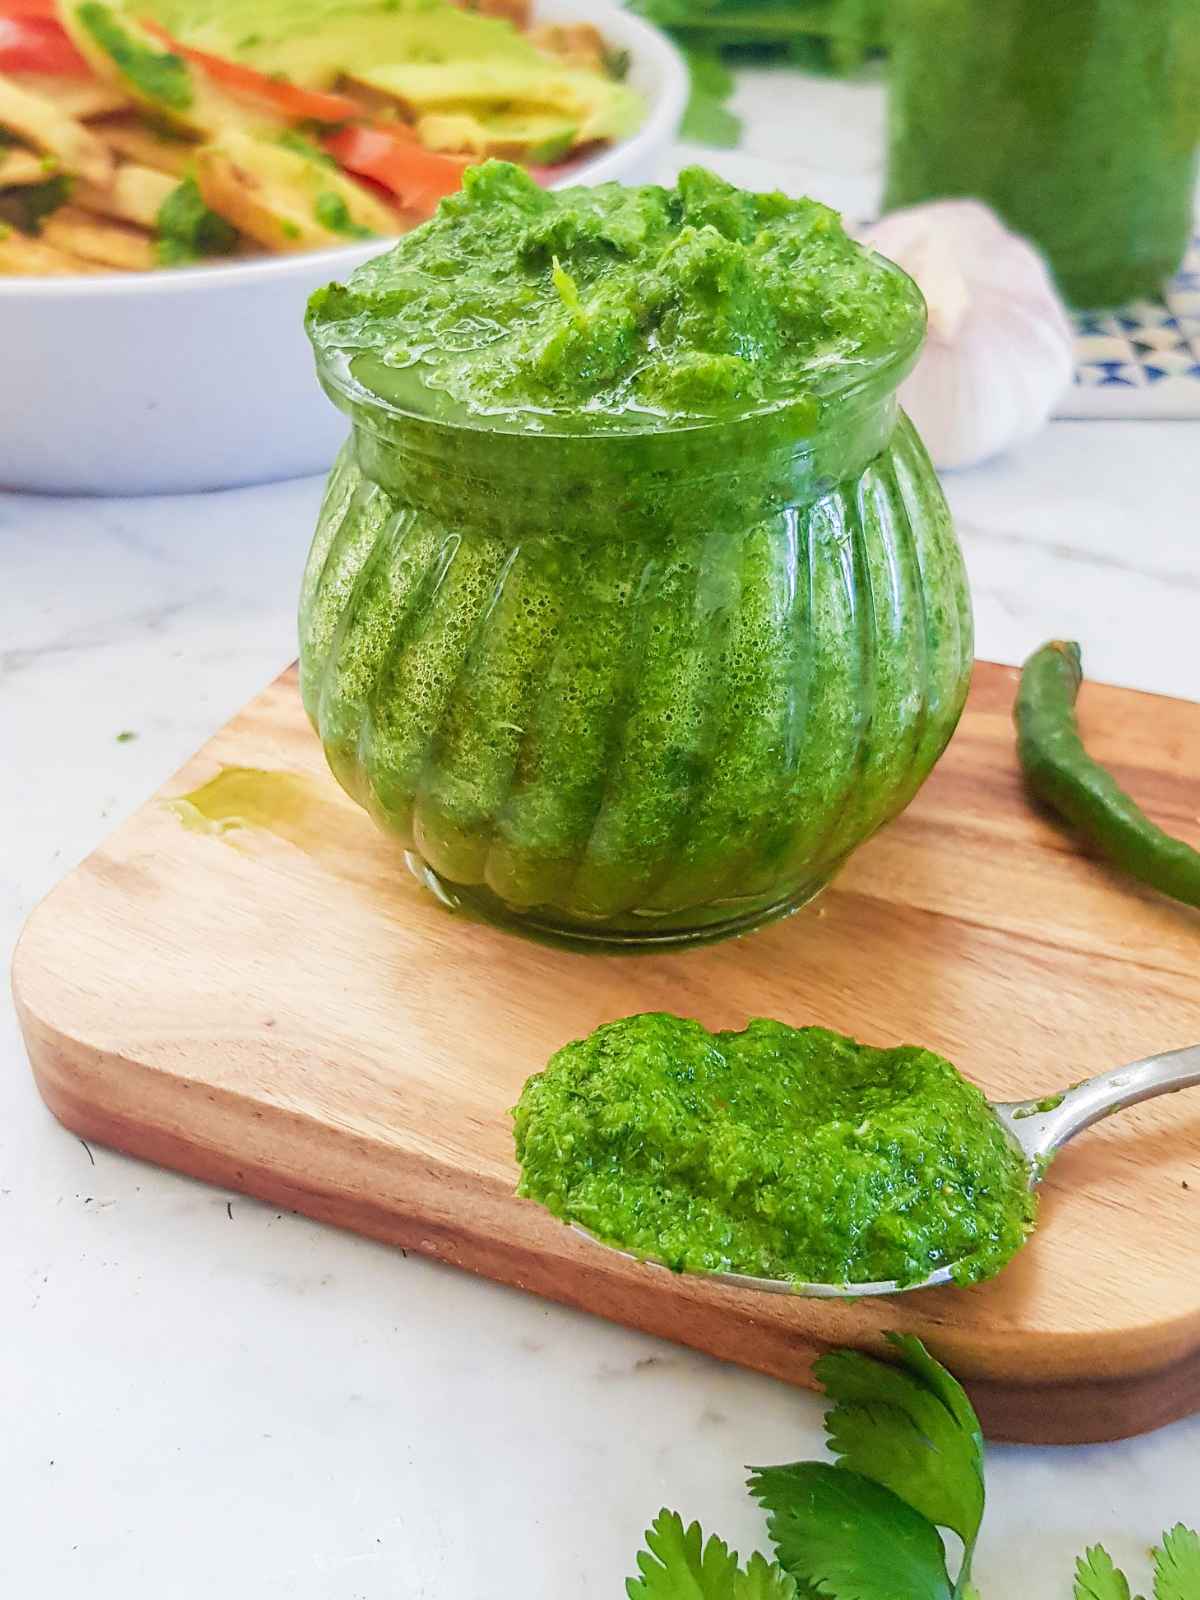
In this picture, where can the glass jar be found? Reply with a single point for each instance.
(1077, 120)
(635, 688)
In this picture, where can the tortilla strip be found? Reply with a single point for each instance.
(272, 194)
(135, 195)
(578, 44)
(130, 137)
(24, 257)
(39, 122)
(74, 97)
(258, 210)
(20, 168)
(518, 12)
(111, 244)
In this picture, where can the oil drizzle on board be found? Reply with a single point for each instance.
(240, 803)
(242, 799)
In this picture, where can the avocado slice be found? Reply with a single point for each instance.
(313, 42)
(532, 135)
(598, 107)
(438, 59)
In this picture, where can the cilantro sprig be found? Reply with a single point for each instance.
(846, 1536)
(909, 1460)
(1177, 1565)
(910, 1428)
(1176, 1570)
(909, 1452)
(1097, 1579)
(679, 1565)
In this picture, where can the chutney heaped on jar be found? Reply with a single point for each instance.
(634, 603)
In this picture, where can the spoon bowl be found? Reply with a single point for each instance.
(1038, 1128)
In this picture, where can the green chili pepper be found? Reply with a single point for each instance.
(1061, 772)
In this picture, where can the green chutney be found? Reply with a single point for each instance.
(634, 604)
(613, 305)
(778, 1152)
(1077, 120)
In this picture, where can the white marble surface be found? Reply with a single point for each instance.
(202, 1398)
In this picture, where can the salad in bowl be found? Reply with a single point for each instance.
(137, 134)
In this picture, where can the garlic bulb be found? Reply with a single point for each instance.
(1000, 351)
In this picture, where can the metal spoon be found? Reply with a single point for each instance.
(1038, 1133)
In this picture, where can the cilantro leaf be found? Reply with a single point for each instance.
(707, 119)
(849, 1537)
(616, 63)
(295, 141)
(332, 212)
(1097, 1579)
(26, 208)
(766, 1580)
(1177, 1565)
(678, 1565)
(911, 1429)
(943, 1383)
(160, 75)
(188, 230)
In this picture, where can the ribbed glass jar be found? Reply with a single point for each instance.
(635, 688)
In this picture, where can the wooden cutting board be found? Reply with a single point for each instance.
(287, 1013)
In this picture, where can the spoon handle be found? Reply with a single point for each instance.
(1040, 1133)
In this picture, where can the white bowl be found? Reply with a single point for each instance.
(202, 378)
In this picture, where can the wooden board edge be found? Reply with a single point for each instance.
(1088, 1411)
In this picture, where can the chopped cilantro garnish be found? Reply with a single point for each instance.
(291, 140)
(25, 207)
(616, 63)
(188, 230)
(160, 75)
(567, 288)
(332, 213)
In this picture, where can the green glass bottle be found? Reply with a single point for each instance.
(1076, 120)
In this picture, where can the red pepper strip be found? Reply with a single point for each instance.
(45, 9)
(288, 99)
(394, 159)
(37, 44)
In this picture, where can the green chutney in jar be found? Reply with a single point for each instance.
(634, 603)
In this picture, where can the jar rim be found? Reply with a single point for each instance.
(849, 381)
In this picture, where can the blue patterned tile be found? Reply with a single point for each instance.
(1142, 359)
